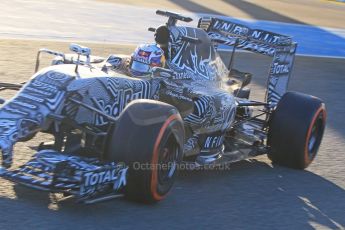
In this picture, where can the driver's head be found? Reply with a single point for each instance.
(145, 57)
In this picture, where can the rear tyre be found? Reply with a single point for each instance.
(148, 138)
(296, 129)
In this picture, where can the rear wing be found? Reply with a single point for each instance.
(278, 46)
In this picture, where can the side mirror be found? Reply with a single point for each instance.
(80, 50)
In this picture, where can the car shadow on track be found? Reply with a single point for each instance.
(254, 192)
(251, 195)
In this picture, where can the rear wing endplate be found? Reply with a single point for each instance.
(278, 46)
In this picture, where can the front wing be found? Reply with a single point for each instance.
(82, 177)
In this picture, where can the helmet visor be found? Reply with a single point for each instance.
(140, 67)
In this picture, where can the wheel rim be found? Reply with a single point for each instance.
(163, 150)
(167, 162)
(315, 136)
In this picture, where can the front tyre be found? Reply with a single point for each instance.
(149, 138)
(296, 129)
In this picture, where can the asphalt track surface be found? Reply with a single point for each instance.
(253, 194)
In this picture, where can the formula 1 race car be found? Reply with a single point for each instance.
(117, 135)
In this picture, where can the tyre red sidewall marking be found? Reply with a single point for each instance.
(154, 177)
(322, 110)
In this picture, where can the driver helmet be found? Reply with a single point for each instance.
(145, 57)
